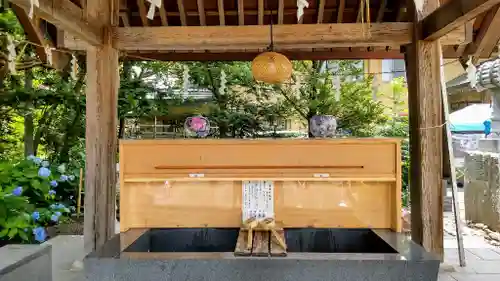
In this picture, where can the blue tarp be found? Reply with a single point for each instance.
(470, 118)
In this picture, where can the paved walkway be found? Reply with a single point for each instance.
(482, 258)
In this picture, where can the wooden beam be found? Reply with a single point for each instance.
(182, 12)
(67, 16)
(241, 14)
(487, 37)
(261, 12)
(163, 15)
(143, 12)
(291, 36)
(340, 12)
(32, 31)
(321, 10)
(281, 9)
(100, 134)
(361, 6)
(222, 16)
(426, 136)
(125, 19)
(451, 15)
(201, 11)
(381, 11)
(332, 54)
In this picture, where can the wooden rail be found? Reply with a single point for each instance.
(260, 167)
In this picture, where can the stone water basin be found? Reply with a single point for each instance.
(206, 254)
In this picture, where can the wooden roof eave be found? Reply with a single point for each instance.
(70, 17)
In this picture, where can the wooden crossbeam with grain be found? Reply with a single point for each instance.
(487, 37)
(69, 17)
(451, 15)
(285, 37)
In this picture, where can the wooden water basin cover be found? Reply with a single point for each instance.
(338, 183)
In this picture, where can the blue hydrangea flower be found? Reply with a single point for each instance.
(54, 218)
(40, 234)
(53, 183)
(35, 216)
(63, 178)
(44, 172)
(31, 157)
(52, 192)
(60, 206)
(37, 160)
(45, 164)
(18, 191)
(53, 206)
(58, 214)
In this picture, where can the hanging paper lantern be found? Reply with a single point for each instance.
(197, 126)
(272, 68)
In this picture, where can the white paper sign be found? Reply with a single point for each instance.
(258, 200)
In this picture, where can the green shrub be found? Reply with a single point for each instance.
(33, 196)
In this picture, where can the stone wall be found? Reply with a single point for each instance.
(482, 188)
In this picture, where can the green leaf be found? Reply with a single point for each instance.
(31, 174)
(35, 184)
(12, 233)
(23, 235)
(4, 232)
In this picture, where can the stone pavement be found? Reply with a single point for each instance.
(482, 258)
(482, 264)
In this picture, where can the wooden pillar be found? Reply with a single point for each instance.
(101, 138)
(426, 136)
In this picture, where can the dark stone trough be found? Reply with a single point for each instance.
(313, 255)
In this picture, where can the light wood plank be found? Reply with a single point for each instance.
(260, 245)
(276, 250)
(241, 244)
(101, 121)
(217, 203)
(222, 17)
(451, 15)
(68, 17)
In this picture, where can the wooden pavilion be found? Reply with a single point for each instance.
(416, 30)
